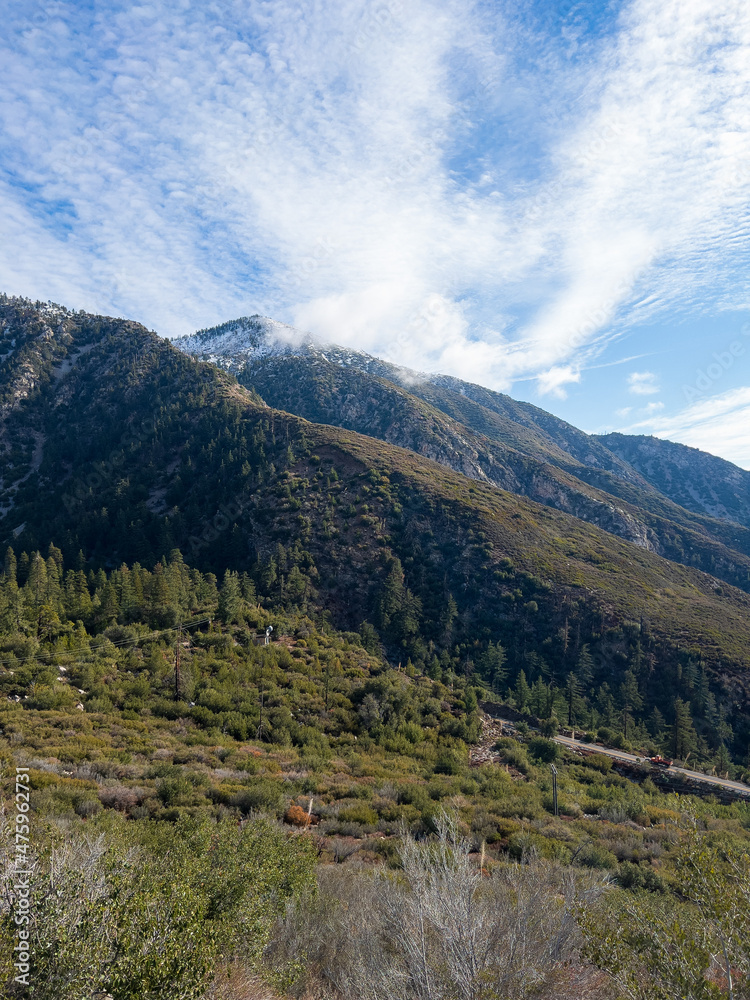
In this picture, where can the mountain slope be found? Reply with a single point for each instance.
(692, 478)
(118, 445)
(142, 445)
(352, 390)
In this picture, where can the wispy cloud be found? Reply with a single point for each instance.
(386, 175)
(555, 380)
(718, 425)
(643, 383)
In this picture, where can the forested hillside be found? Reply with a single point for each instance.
(486, 436)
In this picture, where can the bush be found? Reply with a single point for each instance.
(359, 813)
(632, 876)
(262, 795)
(296, 816)
(596, 856)
(448, 762)
(543, 749)
(599, 762)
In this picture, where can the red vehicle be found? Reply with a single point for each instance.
(661, 761)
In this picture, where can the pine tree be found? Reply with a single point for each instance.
(724, 762)
(684, 738)
(572, 694)
(391, 597)
(448, 616)
(522, 692)
(109, 608)
(491, 665)
(656, 724)
(540, 699)
(37, 581)
(230, 598)
(606, 703)
(585, 667)
(630, 699)
(11, 565)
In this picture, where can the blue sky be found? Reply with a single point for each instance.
(551, 199)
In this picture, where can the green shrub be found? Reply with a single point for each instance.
(359, 812)
(596, 856)
(262, 795)
(543, 749)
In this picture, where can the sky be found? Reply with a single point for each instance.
(547, 198)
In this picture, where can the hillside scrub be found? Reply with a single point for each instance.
(106, 641)
(441, 928)
(143, 911)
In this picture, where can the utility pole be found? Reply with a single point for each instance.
(260, 723)
(177, 663)
(267, 642)
(554, 788)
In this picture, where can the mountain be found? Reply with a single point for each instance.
(482, 434)
(119, 448)
(692, 478)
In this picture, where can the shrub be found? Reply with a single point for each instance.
(262, 795)
(543, 749)
(596, 856)
(296, 816)
(359, 812)
(599, 761)
(632, 876)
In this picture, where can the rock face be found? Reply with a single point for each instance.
(484, 435)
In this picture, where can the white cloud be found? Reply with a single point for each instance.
(643, 383)
(651, 408)
(555, 380)
(718, 425)
(317, 164)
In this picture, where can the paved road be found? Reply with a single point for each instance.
(709, 779)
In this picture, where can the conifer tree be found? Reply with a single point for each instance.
(684, 738)
(230, 598)
(522, 691)
(11, 564)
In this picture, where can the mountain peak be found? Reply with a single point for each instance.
(252, 337)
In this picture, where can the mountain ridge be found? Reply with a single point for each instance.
(341, 387)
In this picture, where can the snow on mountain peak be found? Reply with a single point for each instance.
(250, 336)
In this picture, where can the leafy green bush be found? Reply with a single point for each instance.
(543, 749)
(359, 812)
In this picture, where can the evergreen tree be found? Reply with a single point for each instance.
(684, 738)
(656, 724)
(522, 692)
(585, 667)
(491, 665)
(630, 699)
(606, 703)
(448, 617)
(540, 699)
(572, 695)
(11, 565)
(230, 598)
(37, 580)
(391, 596)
